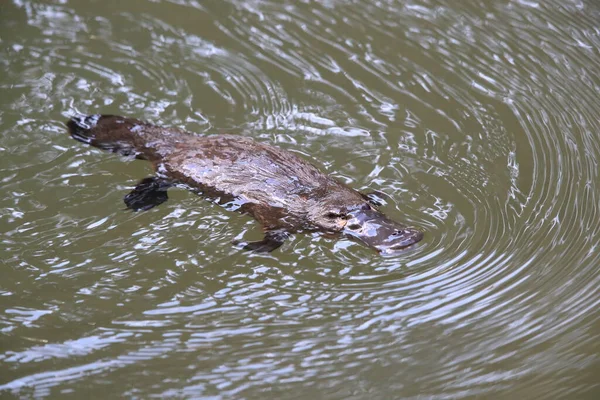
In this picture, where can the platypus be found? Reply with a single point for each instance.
(283, 192)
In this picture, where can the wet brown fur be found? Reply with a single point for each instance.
(275, 186)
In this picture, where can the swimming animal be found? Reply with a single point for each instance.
(282, 191)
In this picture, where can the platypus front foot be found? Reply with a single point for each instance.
(271, 241)
(148, 193)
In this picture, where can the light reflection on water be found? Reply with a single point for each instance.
(477, 120)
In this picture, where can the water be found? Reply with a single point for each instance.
(477, 119)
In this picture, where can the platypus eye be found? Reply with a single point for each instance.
(334, 215)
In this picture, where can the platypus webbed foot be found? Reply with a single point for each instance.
(271, 241)
(148, 193)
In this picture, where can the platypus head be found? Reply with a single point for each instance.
(373, 228)
(362, 222)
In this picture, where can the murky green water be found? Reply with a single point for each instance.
(479, 119)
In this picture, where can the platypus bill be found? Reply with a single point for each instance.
(283, 192)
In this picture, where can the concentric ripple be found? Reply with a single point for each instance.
(476, 121)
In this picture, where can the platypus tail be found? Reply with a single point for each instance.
(107, 132)
(126, 136)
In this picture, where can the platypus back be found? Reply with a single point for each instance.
(126, 136)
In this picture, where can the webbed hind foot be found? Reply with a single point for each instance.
(148, 193)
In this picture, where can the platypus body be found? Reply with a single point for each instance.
(282, 191)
